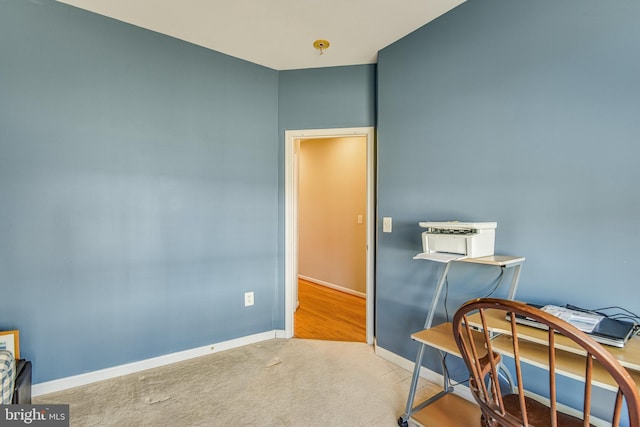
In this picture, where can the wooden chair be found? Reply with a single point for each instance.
(512, 408)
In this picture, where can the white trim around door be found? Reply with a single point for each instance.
(291, 218)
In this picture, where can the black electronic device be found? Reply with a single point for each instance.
(603, 329)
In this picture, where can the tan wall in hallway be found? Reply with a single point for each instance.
(332, 193)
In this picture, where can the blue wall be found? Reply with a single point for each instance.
(134, 215)
(321, 98)
(138, 191)
(524, 113)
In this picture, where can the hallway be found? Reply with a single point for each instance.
(328, 314)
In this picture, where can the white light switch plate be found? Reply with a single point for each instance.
(387, 224)
(248, 299)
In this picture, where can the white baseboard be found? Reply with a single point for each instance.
(280, 333)
(429, 375)
(333, 286)
(130, 368)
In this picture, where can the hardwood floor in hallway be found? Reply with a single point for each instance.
(328, 314)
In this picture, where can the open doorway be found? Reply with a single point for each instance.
(292, 163)
(332, 239)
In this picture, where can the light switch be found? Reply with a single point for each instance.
(359, 219)
(387, 224)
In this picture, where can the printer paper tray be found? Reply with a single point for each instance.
(439, 256)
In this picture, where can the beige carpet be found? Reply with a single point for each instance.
(274, 383)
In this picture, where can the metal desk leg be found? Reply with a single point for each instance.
(436, 296)
(412, 389)
(416, 369)
(514, 282)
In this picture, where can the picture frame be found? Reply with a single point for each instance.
(10, 340)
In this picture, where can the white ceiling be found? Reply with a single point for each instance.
(279, 34)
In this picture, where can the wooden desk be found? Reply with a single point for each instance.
(569, 363)
(569, 356)
(445, 407)
(441, 337)
(433, 404)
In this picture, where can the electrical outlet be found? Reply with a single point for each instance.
(248, 299)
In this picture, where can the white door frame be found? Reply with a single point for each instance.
(291, 218)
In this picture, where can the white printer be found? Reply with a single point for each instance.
(471, 239)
